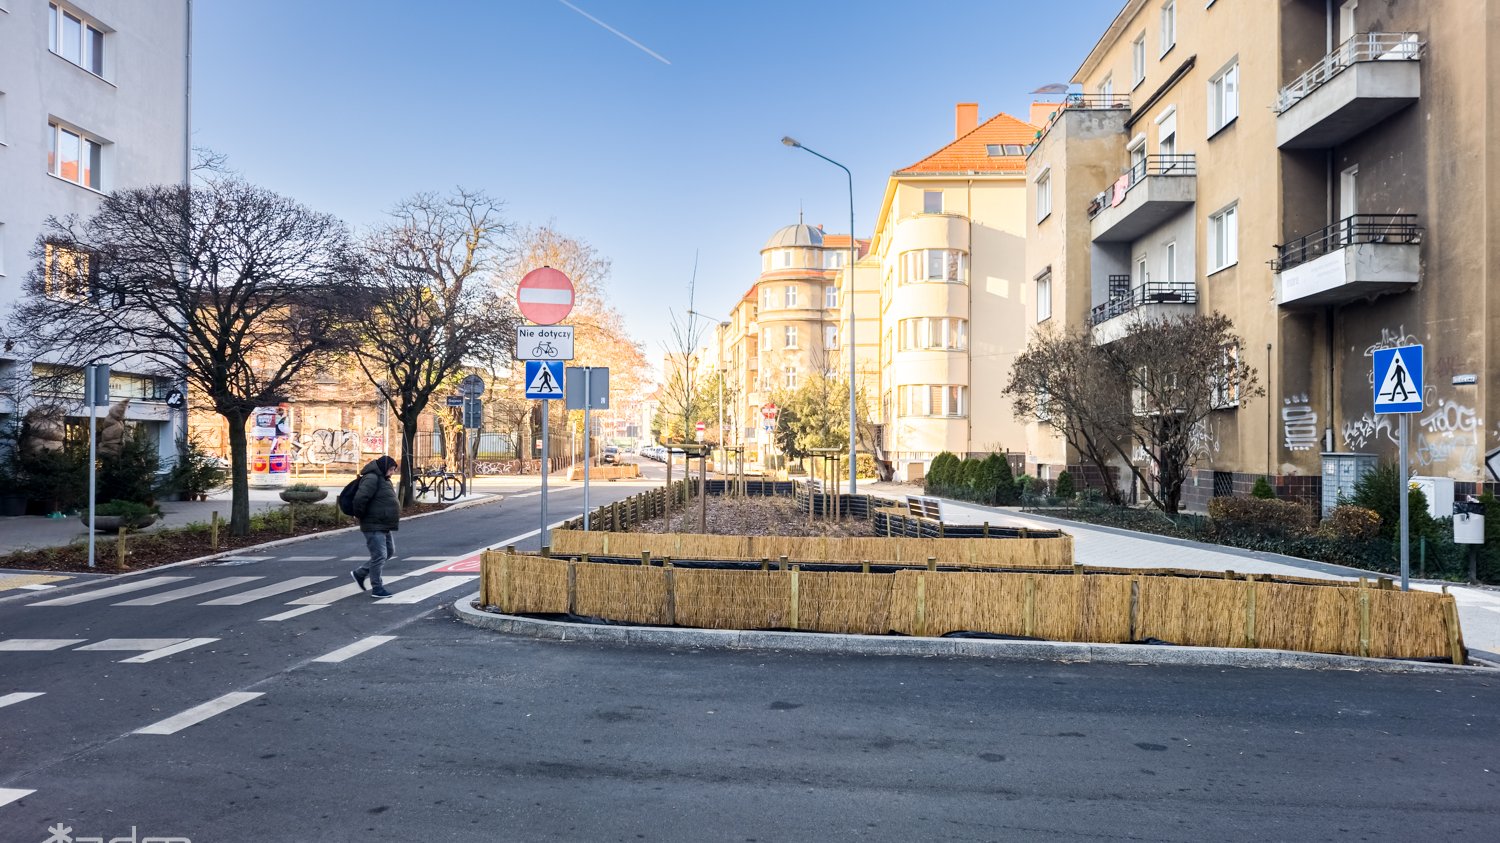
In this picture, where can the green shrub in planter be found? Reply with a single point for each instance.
(1064, 488)
(1380, 491)
(132, 514)
(1262, 489)
(303, 493)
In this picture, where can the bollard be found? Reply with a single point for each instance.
(120, 548)
(213, 530)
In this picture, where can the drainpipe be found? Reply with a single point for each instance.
(1270, 416)
(1328, 350)
(969, 317)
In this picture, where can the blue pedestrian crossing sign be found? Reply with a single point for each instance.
(544, 378)
(1398, 379)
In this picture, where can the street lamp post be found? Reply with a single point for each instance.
(853, 421)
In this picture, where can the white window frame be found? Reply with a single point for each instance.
(1044, 195)
(1168, 26)
(1106, 88)
(927, 196)
(1141, 274)
(1224, 97)
(1166, 131)
(790, 336)
(830, 337)
(1223, 238)
(1044, 295)
(1169, 266)
(87, 145)
(830, 296)
(789, 296)
(92, 36)
(1138, 60)
(1225, 391)
(789, 376)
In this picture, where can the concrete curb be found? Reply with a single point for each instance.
(255, 548)
(881, 645)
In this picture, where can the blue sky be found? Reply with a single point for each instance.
(349, 106)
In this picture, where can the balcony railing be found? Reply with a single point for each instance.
(1349, 231)
(1151, 292)
(1184, 164)
(1082, 102)
(1366, 46)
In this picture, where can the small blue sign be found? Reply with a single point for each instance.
(455, 401)
(544, 378)
(1398, 380)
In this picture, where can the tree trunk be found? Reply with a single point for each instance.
(239, 506)
(407, 494)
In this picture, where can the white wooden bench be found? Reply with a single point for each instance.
(923, 507)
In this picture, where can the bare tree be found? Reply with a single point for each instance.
(230, 285)
(434, 305)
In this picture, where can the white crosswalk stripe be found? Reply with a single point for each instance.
(428, 589)
(300, 610)
(349, 652)
(306, 558)
(170, 650)
(189, 591)
(11, 794)
(123, 588)
(334, 594)
(197, 714)
(19, 696)
(266, 591)
(34, 645)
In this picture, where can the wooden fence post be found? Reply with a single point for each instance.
(1028, 621)
(986, 529)
(573, 584)
(1250, 639)
(1364, 617)
(864, 566)
(1455, 637)
(291, 519)
(932, 563)
(1135, 608)
(646, 558)
(213, 530)
(546, 551)
(671, 594)
(783, 563)
(921, 604)
(796, 570)
(120, 548)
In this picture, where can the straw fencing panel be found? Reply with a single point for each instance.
(848, 603)
(524, 585)
(1044, 553)
(733, 599)
(632, 593)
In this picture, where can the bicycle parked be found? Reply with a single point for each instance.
(441, 482)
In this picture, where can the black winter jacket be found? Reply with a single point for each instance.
(375, 500)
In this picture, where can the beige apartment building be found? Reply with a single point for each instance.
(946, 282)
(1320, 171)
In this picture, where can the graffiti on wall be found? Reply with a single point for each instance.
(1450, 434)
(1388, 339)
(1299, 424)
(1204, 440)
(1451, 417)
(326, 445)
(1360, 432)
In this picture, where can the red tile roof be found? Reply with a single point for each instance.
(968, 154)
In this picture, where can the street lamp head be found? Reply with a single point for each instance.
(791, 141)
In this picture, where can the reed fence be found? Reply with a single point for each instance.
(1076, 604)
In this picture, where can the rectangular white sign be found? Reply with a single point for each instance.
(544, 342)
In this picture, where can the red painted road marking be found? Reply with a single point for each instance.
(468, 564)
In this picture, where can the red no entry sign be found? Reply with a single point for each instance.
(545, 296)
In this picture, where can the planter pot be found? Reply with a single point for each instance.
(304, 497)
(111, 523)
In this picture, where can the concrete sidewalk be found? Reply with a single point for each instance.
(1112, 547)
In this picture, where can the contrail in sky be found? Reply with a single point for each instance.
(638, 44)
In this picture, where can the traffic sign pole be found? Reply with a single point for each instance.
(546, 467)
(586, 435)
(1399, 381)
(1405, 492)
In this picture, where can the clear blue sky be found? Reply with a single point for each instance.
(349, 106)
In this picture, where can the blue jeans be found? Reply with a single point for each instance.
(382, 547)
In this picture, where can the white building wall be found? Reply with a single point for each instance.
(137, 107)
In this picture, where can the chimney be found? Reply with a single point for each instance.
(1040, 111)
(965, 118)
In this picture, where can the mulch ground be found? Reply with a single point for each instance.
(163, 547)
(757, 517)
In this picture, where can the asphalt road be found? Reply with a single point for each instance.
(431, 730)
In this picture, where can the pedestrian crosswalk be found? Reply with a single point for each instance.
(163, 591)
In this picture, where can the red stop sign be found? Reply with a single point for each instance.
(545, 296)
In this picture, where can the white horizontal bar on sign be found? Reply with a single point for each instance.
(198, 714)
(538, 295)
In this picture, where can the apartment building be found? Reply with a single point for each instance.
(946, 295)
(93, 98)
(1317, 170)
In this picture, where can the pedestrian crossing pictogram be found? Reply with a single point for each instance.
(1398, 379)
(544, 378)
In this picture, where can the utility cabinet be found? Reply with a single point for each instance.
(1340, 472)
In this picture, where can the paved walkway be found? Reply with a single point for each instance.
(1478, 608)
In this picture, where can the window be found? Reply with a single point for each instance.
(932, 201)
(1166, 132)
(1044, 195)
(79, 42)
(786, 257)
(1168, 25)
(833, 259)
(1044, 296)
(1138, 60)
(1142, 274)
(944, 333)
(1225, 382)
(66, 272)
(924, 265)
(1107, 88)
(1137, 150)
(996, 149)
(75, 157)
(831, 296)
(766, 295)
(790, 332)
(1169, 266)
(932, 400)
(830, 336)
(1223, 239)
(1223, 98)
(790, 296)
(789, 377)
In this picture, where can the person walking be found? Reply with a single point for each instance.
(379, 515)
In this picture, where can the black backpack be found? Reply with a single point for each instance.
(346, 497)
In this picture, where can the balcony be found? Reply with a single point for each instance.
(1368, 78)
(1115, 319)
(1157, 188)
(1358, 257)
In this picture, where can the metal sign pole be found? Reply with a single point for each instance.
(588, 395)
(546, 467)
(1405, 516)
(89, 377)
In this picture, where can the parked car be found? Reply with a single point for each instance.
(611, 454)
